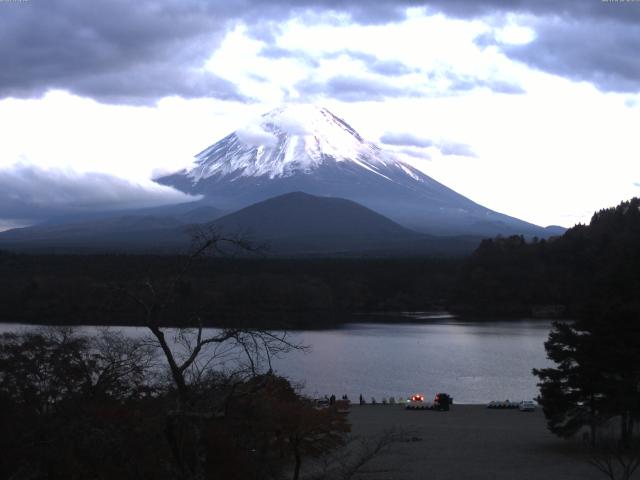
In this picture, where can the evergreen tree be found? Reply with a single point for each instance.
(597, 377)
(618, 334)
(572, 394)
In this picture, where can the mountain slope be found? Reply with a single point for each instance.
(301, 214)
(301, 222)
(154, 229)
(127, 233)
(297, 223)
(190, 212)
(291, 224)
(307, 148)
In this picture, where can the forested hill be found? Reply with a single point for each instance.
(590, 268)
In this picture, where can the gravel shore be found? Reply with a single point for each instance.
(471, 442)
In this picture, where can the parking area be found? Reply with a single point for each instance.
(471, 442)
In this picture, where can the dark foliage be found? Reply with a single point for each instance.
(616, 461)
(596, 379)
(572, 394)
(59, 289)
(73, 407)
(588, 269)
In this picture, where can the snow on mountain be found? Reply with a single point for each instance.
(287, 140)
(306, 148)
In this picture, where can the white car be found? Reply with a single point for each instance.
(527, 406)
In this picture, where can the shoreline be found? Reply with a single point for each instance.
(357, 318)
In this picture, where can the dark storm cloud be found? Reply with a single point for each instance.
(584, 40)
(387, 11)
(145, 84)
(405, 139)
(602, 53)
(119, 51)
(593, 41)
(27, 191)
(113, 51)
(354, 89)
(360, 11)
(137, 52)
(622, 11)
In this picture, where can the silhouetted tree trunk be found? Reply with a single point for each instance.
(185, 425)
(614, 459)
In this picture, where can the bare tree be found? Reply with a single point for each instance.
(190, 350)
(615, 460)
(357, 454)
(42, 367)
(117, 365)
(68, 401)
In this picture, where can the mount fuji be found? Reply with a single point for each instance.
(306, 148)
(302, 181)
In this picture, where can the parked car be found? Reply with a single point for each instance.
(416, 402)
(442, 401)
(527, 406)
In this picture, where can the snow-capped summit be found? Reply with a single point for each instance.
(290, 139)
(306, 148)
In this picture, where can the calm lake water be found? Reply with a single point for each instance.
(474, 362)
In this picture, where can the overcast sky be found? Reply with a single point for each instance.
(531, 108)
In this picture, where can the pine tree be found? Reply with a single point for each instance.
(572, 394)
(597, 377)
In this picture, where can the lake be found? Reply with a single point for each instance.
(475, 362)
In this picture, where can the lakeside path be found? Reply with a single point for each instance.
(471, 442)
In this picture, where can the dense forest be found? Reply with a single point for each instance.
(78, 289)
(586, 268)
(589, 268)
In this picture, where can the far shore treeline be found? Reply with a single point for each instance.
(79, 289)
(511, 277)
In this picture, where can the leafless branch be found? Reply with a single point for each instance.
(615, 461)
(358, 453)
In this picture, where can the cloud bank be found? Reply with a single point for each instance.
(411, 145)
(253, 135)
(351, 88)
(125, 52)
(405, 140)
(31, 192)
(113, 51)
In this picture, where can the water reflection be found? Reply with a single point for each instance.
(474, 362)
